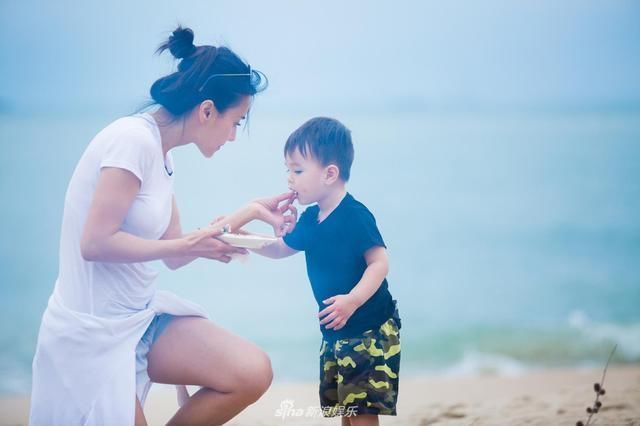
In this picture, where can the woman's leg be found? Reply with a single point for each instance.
(140, 419)
(233, 372)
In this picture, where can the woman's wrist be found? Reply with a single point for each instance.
(179, 247)
(254, 211)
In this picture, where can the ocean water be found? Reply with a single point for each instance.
(514, 238)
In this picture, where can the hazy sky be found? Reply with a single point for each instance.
(77, 55)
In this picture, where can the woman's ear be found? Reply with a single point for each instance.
(207, 111)
(332, 173)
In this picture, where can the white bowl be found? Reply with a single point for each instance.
(249, 241)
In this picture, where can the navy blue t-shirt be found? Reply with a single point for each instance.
(334, 251)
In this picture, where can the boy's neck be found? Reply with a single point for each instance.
(329, 203)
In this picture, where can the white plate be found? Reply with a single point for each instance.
(247, 241)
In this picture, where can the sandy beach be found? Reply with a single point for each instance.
(549, 397)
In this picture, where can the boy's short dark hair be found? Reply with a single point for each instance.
(327, 140)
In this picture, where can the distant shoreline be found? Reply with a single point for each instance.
(543, 397)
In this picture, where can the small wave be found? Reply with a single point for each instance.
(474, 362)
(15, 383)
(626, 336)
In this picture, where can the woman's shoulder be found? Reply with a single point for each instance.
(130, 129)
(127, 142)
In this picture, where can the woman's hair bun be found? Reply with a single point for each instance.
(193, 82)
(180, 43)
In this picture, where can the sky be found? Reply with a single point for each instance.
(82, 56)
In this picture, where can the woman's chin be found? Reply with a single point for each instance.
(207, 151)
(210, 153)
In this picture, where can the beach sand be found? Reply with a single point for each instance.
(548, 397)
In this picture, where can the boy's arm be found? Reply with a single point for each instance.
(277, 250)
(342, 306)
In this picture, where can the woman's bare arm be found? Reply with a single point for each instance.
(232, 221)
(104, 241)
(174, 231)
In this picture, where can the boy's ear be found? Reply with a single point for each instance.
(332, 173)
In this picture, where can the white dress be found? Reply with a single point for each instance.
(84, 368)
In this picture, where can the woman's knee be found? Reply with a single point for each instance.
(255, 376)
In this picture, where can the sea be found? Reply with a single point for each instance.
(513, 235)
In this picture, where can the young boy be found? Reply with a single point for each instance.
(347, 264)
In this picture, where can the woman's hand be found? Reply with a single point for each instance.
(278, 211)
(202, 243)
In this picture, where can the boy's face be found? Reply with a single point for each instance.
(306, 176)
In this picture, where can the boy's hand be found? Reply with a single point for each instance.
(340, 309)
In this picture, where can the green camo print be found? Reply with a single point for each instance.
(360, 375)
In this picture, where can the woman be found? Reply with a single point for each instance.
(107, 332)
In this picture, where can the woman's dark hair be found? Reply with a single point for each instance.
(204, 72)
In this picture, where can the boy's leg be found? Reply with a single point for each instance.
(363, 420)
(368, 368)
(328, 379)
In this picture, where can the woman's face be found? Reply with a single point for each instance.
(215, 129)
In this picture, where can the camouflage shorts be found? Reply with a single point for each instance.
(360, 375)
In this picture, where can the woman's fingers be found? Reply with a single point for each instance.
(203, 243)
(240, 250)
(210, 232)
(289, 220)
(216, 229)
(218, 219)
(284, 223)
(294, 214)
(284, 196)
(289, 227)
(285, 206)
(225, 248)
